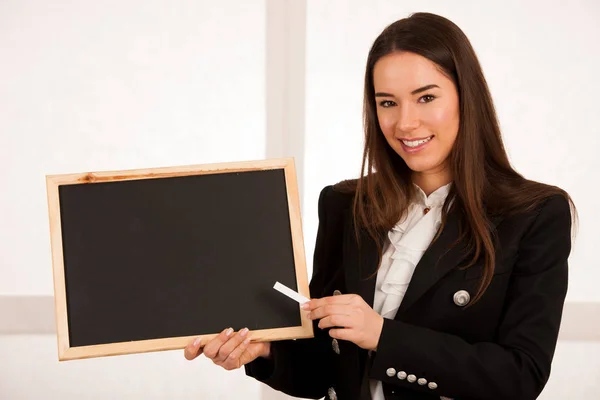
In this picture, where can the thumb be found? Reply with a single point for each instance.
(193, 350)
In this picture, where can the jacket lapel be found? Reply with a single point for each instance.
(361, 263)
(440, 258)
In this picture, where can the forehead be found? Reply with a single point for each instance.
(404, 71)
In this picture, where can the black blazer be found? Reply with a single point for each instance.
(500, 348)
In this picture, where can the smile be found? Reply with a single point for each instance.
(416, 143)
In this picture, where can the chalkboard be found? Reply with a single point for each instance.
(147, 260)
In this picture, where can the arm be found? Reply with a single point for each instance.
(517, 364)
(303, 367)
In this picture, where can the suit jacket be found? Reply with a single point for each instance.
(500, 347)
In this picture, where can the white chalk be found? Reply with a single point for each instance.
(290, 293)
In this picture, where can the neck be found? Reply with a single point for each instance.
(430, 182)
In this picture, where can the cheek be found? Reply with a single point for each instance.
(444, 121)
(387, 124)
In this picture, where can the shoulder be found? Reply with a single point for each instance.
(547, 202)
(554, 213)
(555, 205)
(335, 201)
(547, 222)
(545, 242)
(338, 196)
(525, 201)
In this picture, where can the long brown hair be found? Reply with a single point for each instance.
(484, 182)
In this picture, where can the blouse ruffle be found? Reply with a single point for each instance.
(410, 238)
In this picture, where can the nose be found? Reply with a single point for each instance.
(408, 120)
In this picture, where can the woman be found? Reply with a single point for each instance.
(441, 272)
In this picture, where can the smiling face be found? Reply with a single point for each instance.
(418, 112)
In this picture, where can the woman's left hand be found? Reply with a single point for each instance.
(354, 320)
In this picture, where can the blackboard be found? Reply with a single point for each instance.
(147, 260)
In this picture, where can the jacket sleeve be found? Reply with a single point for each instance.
(517, 364)
(303, 367)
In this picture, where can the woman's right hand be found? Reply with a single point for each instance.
(229, 350)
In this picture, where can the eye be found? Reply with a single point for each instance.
(386, 103)
(428, 98)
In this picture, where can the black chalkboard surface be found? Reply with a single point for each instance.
(147, 260)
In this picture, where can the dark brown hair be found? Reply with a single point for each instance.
(484, 182)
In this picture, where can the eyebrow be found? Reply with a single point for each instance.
(419, 90)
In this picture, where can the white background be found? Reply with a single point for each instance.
(87, 86)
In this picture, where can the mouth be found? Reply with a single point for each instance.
(412, 146)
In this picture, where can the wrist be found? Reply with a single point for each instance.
(377, 334)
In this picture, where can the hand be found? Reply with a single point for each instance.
(229, 350)
(354, 320)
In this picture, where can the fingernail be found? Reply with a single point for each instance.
(197, 342)
(308, 316)
(244, 332)
(304, 306)
(247, 341)
(229, 332)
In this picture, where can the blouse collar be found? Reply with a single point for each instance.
(435, 199)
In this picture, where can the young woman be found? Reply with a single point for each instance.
(441, 272)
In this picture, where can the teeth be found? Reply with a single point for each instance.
(415, 143)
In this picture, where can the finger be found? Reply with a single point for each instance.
(233, 342)
(330, 309)
(343, 321)
(233, 360)
(212, 348)
(341, 299)
(193, 350)
(347, 334)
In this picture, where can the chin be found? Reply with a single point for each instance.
(421, 165)
(417, 166)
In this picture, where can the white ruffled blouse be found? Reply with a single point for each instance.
(407, 242)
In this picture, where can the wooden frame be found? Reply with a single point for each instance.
(66, 352)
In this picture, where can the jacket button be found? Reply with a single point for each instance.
(390, 372)
(401, 375)
(462, 298)
(411, 378)
(331, 394)
(432, 385)
(336, 346)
